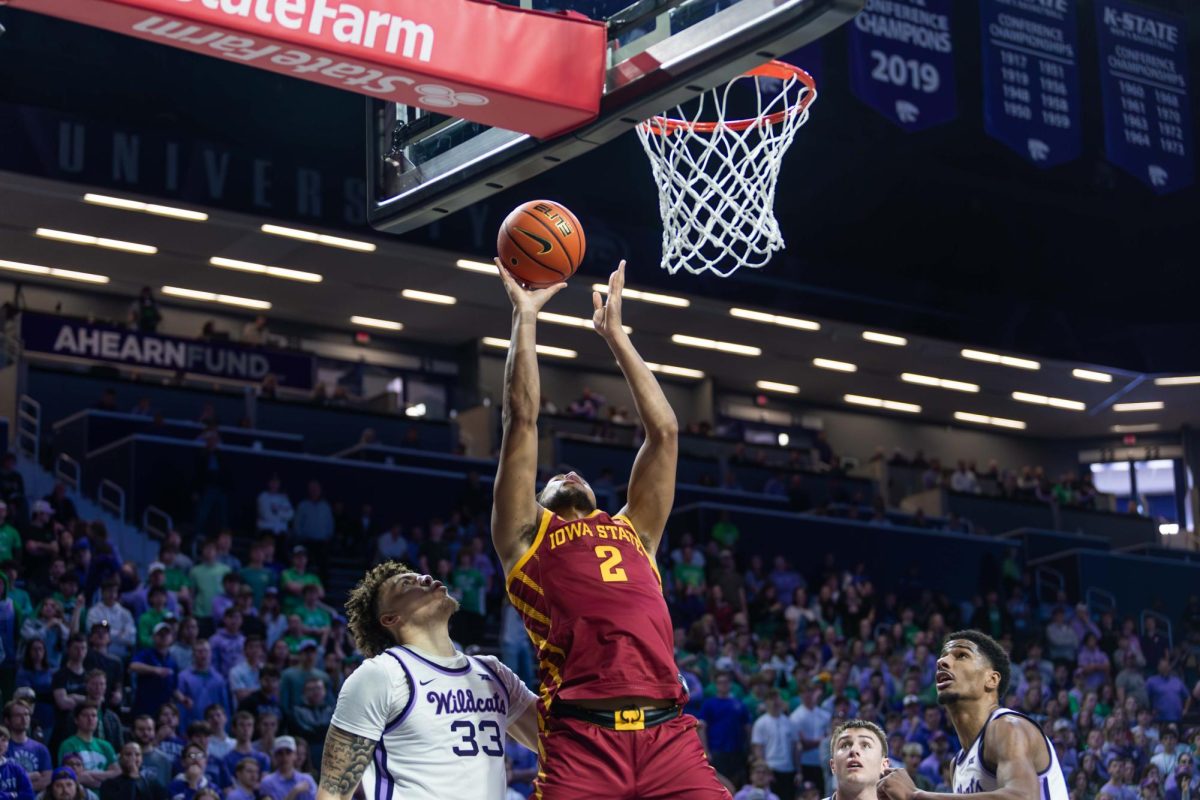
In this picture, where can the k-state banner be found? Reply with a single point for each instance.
(68, 336)
(902, 61)
(1031, 97)
(1144, 78)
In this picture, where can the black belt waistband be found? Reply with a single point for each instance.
(631, 718)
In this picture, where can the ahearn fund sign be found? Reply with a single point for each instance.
(63, 336)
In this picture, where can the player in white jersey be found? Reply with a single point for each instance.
(858, 760)
(418, 719)
(1008, 757)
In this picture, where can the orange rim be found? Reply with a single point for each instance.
(664, 126)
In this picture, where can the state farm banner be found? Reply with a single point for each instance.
(1031, 99)
(450, 57)
(67, 336)
(1144, 81)
(902, 61)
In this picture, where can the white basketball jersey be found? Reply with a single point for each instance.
(972, 776)
(440, 724)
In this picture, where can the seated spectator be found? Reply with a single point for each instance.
(251, 624)
(200, 685)
(587, 406)
(759, 787)
(243, 745)
(392, 545)
(268, 729)
(65, 786)
(109, 728)
(219, 740)
(231, 584)
(121, 628)
(228, 643)
(275, 510)
(156, 765)
(963, 479)
(99, 757)
(311, 718)
(314, 617)
(283, 782)
(13, 778)
(294, 580)
(198, 734)
(265, 699)
(256, 574)
(247, 781)
(244, 676)
(291, 684)
(192, 778)
(186, 637)
(130, 784)
(29, 753)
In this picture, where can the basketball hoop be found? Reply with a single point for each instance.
(716, 179)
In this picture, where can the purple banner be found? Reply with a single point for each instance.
(67, 336)
(902, 61)
(1144, 79)
(1031, 97)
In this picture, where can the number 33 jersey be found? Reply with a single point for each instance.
(439, 723)
(592, 602)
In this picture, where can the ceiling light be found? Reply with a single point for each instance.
(320, 238)
(884, 338)
(1150, 405)
(417, 410)
(542, 349)
(1168, 528)
(1177, 380)
(713, 344)
(995, 358)
(147, 208)
(1091, 375)
(941, 383)
(1053, 402)
(263, 269)
(96, 241)
(877, 402)
(982, 419)
(428, 297)
(52, 272)
(646, 297)
(775, 319)
(477, 266)
(839, 366)
(371, 322)
(1143, 428)
(774, 386)
(574, 322)
(213, 297)
(783, 439)
(667, 369)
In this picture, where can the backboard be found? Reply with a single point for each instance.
(422, 166)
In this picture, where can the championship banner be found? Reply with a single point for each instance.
(902, 61)
(450, 58)
(67, 336)
(1144, 81)
(1031, 96)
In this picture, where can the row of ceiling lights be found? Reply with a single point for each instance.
(562, 319)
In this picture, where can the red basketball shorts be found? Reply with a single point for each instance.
(583, 761)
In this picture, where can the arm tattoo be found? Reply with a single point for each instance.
(344, 760)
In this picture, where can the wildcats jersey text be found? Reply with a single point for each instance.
(439, 724)
(592, 602)
(972, 776)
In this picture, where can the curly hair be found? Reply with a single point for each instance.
(993, 652)
(362, 609)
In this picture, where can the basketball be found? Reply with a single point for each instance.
(541, 243)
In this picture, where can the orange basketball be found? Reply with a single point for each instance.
(541, 243)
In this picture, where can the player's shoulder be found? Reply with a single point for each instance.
(498, 667)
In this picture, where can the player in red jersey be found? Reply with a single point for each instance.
(588, 588)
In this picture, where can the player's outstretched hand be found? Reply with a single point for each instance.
(895, 785)
(526, 300)
(606, 313)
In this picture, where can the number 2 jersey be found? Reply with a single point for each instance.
(592, 602)
(438, 723)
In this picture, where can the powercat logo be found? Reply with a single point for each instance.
(303, 63)
(345, 22)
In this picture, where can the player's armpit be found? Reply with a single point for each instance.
(343, 762)
(1018, 750)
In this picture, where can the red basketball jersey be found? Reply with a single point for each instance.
(592, 601)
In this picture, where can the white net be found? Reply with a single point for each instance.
(717, 177)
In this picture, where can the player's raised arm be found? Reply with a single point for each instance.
(1013, 744)
(652, 482)
(514, 510)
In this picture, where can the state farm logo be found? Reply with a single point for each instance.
(345, 22)
(303, 63)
